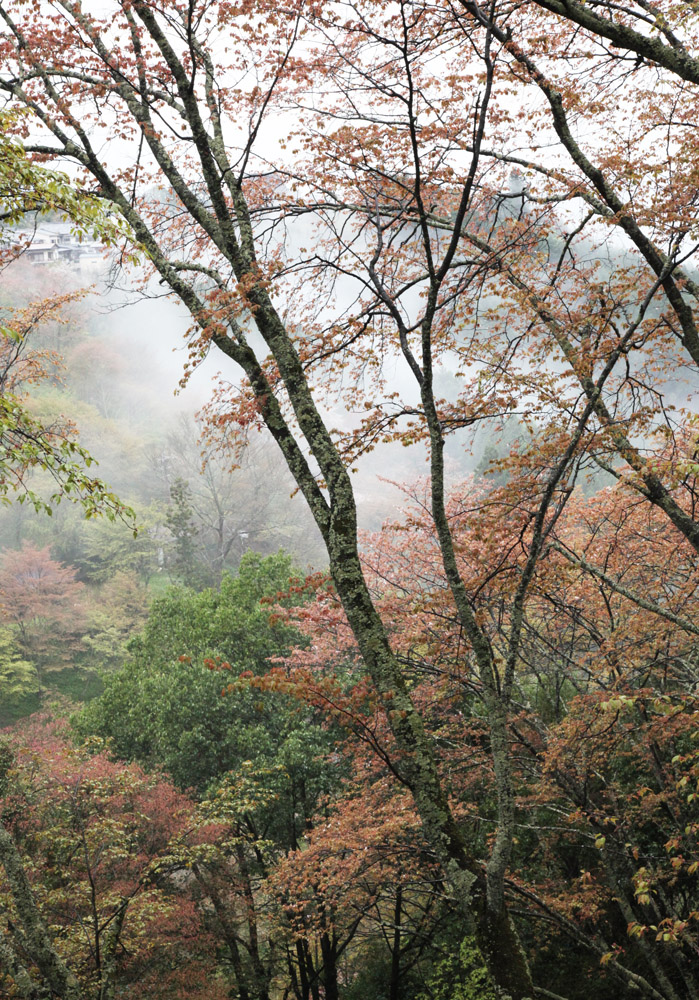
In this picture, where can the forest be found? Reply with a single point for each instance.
(352, 653)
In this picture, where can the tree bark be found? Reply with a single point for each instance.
(57, 976)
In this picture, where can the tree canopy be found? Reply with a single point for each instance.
(164, 707)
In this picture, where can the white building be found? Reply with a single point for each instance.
(53, 242)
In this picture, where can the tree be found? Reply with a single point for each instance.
(415, 212)
(109, 549)
(237, 505)
(363, 884)
(28, 443)
(258, 764)
(164, 708)
(18, 677)
(181, 526)
(41, 598)
(603, 739)
(90, 908)
(97, 373)
(112, 618)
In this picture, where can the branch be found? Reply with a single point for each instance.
(618, 588)
(673, 57)
(52, 967)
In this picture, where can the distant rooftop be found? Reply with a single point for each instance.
(52, 242)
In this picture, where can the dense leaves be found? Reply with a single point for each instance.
(165, 705)
(92, 840)
(41, 599)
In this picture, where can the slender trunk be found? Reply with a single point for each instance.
(303, 973)
(112, 936)
(328, 950)
(259, 972)
(394, 987)
(229, 935)
(293, 976)
(307, 973)
(311, 972)
(495, 933)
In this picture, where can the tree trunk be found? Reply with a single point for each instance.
(328, 949)
(394, 986)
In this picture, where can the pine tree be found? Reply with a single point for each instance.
(180, 523)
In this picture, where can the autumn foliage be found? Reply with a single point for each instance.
(602, 738)
(96, 838)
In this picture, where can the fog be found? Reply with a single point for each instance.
(117, 358)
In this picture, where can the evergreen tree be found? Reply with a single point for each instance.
(180, 522)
